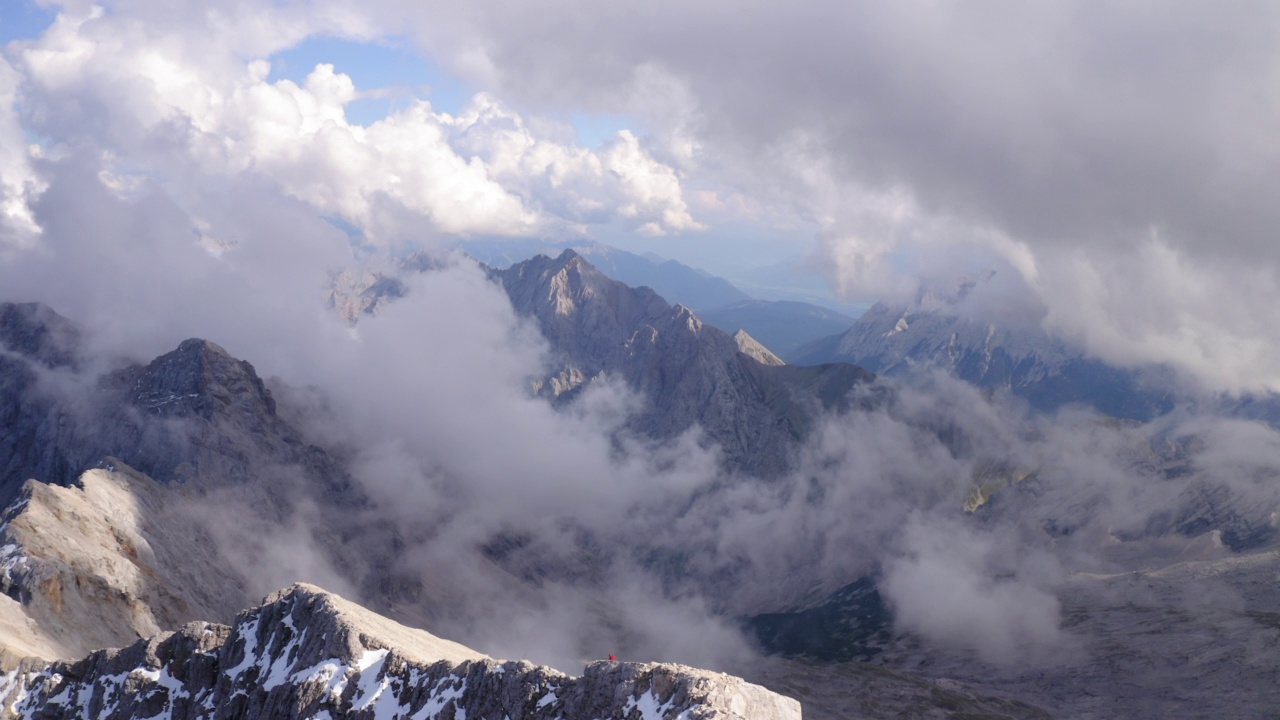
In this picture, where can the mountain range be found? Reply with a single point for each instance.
(898, 340)
(114, 468)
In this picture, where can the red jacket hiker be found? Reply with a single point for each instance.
(613, 658)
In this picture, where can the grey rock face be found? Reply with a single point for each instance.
(36, 331)
(199, 413)
(689, 373)
(308, 654)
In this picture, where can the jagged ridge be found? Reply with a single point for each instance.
(690, 373)
(306, 653)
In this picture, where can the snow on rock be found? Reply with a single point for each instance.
(306, 653)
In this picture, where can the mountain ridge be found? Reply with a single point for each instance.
(306, 653)
(689, 372)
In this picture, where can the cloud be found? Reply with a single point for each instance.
(944, 587)
(1116, 159)
(1052, 138)
(104, 78)
(19, 183)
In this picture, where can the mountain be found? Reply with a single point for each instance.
(1163, 592)
(688, 372)
(783, 326)
(193, 414)
(677, 283)
(305, 653)
(896, 340)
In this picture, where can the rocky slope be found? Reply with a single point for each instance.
(108, 559)
(305, 653)
(752, 348)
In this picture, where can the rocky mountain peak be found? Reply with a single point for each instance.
(200, 378)
(560, 285)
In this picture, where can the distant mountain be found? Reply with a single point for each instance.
(677, 283)
(1048, 373)
(689, 372)
(783, 326)
(780, 325)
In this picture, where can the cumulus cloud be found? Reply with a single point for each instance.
(19, 183)
(1117, 159)
(105, 78)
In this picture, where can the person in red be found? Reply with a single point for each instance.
(613, 658)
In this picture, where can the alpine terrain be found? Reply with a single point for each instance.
(150, 502)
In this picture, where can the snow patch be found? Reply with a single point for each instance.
(649, 707)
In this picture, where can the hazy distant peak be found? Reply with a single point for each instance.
(941, 296)
(35, 330)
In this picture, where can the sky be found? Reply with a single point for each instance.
(1118, 160)
(1114, 160)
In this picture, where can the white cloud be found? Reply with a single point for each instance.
(945, 588)
(1035, 134)
(106, 78)
(19, 182)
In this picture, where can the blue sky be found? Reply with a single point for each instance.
(400, 74)
(391, 71)
(23, 19)
(396, 74)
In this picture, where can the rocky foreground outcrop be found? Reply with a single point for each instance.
(306, 653)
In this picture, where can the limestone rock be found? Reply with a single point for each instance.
(306, 653)
(750, 347)
(104, 562)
